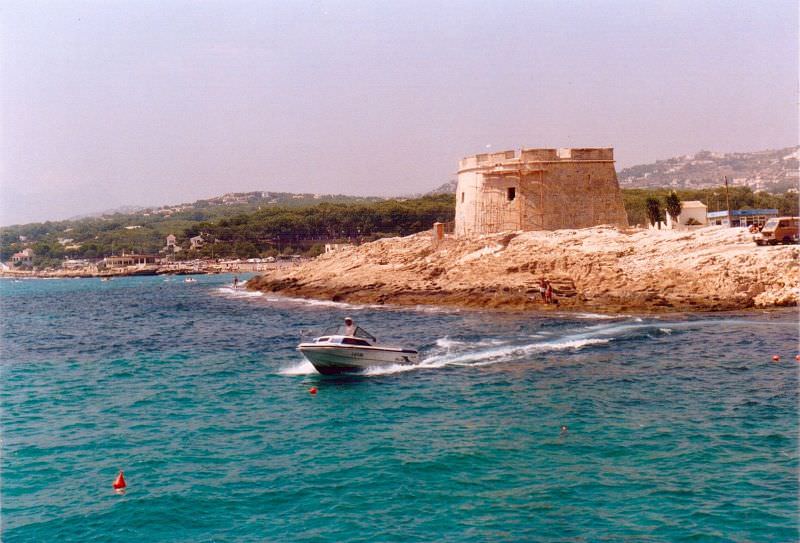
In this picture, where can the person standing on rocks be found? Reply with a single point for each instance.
(548, 293)
(543, 290)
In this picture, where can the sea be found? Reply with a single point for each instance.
(553, 427)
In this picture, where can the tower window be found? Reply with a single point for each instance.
(462, 197)
(511, 193)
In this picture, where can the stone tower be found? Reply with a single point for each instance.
(537, 189)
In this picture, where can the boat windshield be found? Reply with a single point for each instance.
(339, 330)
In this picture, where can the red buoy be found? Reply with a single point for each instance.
(312, 390)
(119, 482)
(797, 357)
(776, 358)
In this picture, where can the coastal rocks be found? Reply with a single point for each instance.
(601, 268)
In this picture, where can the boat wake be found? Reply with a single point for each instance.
(449, 352)
(239, 292)
(302, 367)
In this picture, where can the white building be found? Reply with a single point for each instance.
(692, 211)
(335, 247)
(196, 242)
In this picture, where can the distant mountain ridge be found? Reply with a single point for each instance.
(122, 210)
(774, 170)
(233, 200)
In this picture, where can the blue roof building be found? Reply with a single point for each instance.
(742, 217)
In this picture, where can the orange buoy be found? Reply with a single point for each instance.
(119, 482)
(797, 357)
(312, 390)
(776, 358)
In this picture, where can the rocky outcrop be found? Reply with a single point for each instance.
(600, 268)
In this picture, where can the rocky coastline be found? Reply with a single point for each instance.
(601, 269)
(204, 268)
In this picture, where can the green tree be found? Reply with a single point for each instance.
(316, 250)
(673, 206)
(654, 211)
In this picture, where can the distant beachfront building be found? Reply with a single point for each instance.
(25, 257)
(537, 189)
(692, 211)
(742, 217)
(128, 260)
(75, 264)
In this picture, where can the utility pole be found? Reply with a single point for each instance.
(728, 202)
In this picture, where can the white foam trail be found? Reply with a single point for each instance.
(484, 357)
(435, 309)
(428, 363)
(447, 343)
(665, 330)
(387, 370)
(303, 367)
(322, 303)
(593, 316)
(239, 292)
(490, 356)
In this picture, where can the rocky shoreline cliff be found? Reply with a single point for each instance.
(599, 269)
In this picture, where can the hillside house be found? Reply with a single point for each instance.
(24, 257)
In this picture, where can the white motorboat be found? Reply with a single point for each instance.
(337, 352)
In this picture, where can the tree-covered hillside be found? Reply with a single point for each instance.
(306, 229)
(242, 230)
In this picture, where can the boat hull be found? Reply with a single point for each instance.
(335, 359)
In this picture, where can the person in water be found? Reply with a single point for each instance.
(235, 282)
(349, 326)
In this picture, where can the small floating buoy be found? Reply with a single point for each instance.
(776, 358)
(797, 357)
(312, 390)
(119, 483)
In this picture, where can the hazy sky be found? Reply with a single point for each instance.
(109, 103)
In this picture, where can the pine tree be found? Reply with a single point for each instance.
(654, 211)
(673, 205)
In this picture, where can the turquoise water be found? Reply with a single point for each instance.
(678, 428)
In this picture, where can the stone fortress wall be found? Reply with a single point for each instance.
(537, 189)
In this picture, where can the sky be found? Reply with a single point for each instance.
(107, 104)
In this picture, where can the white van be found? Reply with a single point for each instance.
(779, 230)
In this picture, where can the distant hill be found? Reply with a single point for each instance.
(446, 188)
(145, 229)
(123, 210)
(774, 171)
(248, 201)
